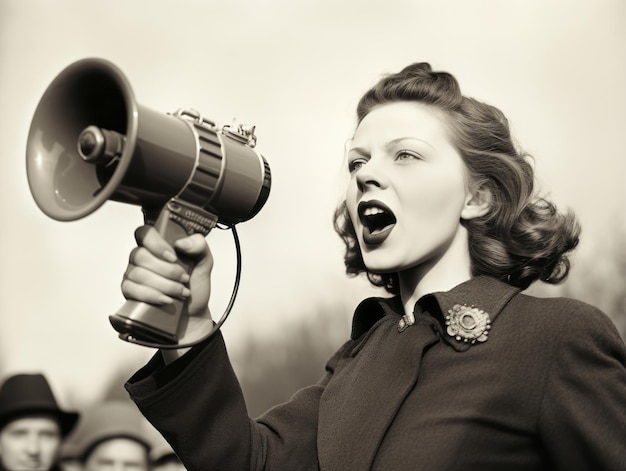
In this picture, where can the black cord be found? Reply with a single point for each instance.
(216, 327)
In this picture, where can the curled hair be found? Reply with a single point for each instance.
(522, 238)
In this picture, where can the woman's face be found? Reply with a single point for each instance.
(407, 191)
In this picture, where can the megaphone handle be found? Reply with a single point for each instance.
(144, 321)
(172, 228)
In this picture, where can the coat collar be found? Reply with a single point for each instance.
(481, 293)
(370, 311)
(372, 380)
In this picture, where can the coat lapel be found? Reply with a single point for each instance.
(367, 389)
(485, 293)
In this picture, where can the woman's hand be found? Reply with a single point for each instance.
(154, 276)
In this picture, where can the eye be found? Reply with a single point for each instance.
(356, 164)
(405, 155)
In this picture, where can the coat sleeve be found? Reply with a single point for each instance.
(582, 418)
(198, 406)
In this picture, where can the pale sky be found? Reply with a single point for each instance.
(295, 70)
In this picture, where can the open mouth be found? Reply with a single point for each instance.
(378, 221)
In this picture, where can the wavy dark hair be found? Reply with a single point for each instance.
(522, 238)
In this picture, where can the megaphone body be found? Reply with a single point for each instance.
(90, 142)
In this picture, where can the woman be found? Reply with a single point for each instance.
(456, 369)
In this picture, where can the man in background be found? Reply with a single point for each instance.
(164, 458)
(112, 436)
(32, 425)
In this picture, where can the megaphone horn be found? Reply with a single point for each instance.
(90, 142)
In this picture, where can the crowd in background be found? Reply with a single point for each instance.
(37, 434)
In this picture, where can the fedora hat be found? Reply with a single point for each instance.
(27, 394)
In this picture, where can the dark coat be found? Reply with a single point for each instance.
(546, 390)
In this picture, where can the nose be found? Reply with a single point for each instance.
(33, 446)
(370, 175)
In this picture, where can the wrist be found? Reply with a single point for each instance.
(171, 355)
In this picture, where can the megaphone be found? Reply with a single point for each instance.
(90, 141)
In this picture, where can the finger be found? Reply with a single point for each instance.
(141, 257)
(148, 237)
(154, 282)
(137, 292)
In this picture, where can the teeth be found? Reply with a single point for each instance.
(372, 211)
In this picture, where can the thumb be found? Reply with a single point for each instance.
(196, 248)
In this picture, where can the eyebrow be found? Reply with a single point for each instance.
(393, 142)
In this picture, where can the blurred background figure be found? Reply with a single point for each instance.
(110, 436)
(32, 425)
(164, 459)
(68, 459)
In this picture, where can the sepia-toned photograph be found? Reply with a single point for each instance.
(312, 235)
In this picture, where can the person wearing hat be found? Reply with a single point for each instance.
(164, 458)
(112, 435)
(32, 425)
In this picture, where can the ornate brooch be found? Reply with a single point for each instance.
(468, 324)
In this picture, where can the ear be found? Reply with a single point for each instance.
(477, 203)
